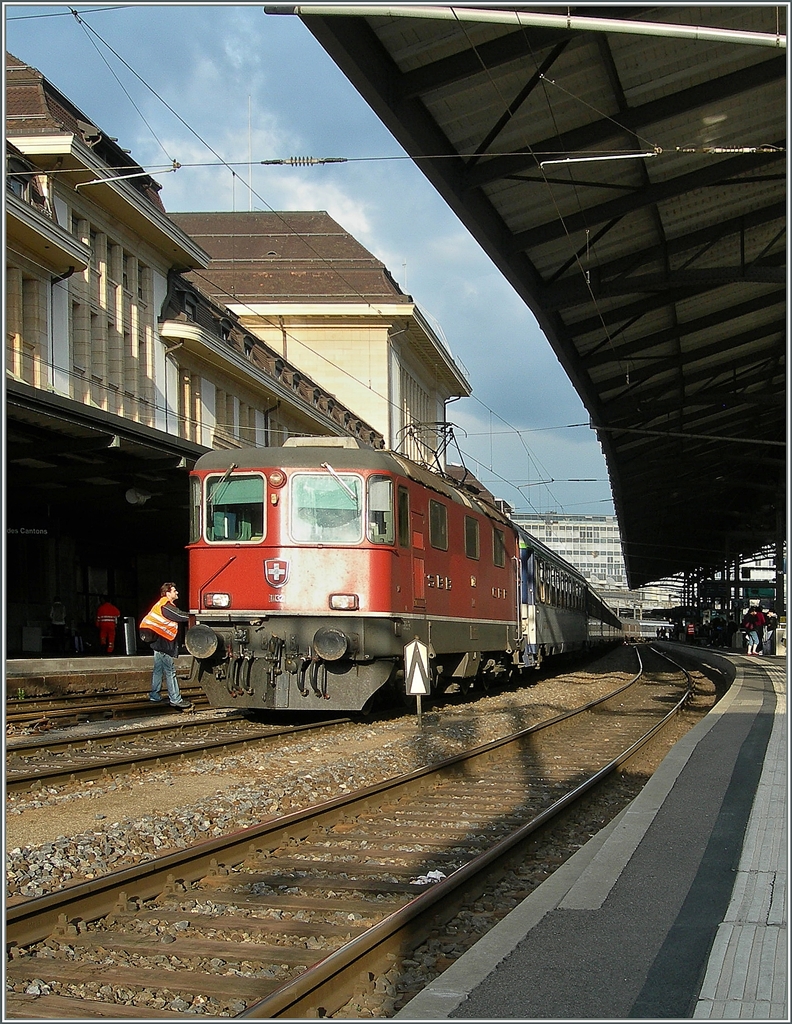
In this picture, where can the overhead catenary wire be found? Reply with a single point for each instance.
(584, 156)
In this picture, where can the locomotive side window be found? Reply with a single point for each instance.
(195, 510)
(471, 537)
(326, 508)
(380, 510)
(235, 508)
(498, 547)
(404, 517)
(438, 525)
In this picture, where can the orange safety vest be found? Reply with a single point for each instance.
(156, 621)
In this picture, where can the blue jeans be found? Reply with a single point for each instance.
(164, 665)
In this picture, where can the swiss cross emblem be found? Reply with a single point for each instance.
(276, 571)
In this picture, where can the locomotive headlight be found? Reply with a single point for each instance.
(217, 601)
(344, 602)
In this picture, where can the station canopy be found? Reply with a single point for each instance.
(627, 174)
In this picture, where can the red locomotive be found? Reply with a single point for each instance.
(314, 564)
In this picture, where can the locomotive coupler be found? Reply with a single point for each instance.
(301, 672)
(272, 655)
(319, 667)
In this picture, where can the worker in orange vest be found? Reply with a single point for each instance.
(107, 616)
(162, 624)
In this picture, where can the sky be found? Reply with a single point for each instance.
(249, 86)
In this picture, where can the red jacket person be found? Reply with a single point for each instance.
(107, 616)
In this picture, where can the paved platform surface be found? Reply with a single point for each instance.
(677, 909)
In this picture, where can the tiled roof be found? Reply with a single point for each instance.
(292, 256)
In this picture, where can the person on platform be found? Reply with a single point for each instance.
(107, 616)
(760, 621)
(771, 625)
(163, 621)
(749, 627)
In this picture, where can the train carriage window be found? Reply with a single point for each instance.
(498, 547)
(235, 508)
(542, 582)
(438, 525)
(404, 517)
(380, 510)
(326, 508)
(471, 537)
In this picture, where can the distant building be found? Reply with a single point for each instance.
(591, 543)
(313, 293)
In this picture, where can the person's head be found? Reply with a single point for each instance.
(169, 590)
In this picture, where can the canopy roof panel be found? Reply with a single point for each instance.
(660, 279)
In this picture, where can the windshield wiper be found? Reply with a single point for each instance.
(214, 497)
(332, 472)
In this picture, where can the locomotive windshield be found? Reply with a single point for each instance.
(326, 508)
(235, 508)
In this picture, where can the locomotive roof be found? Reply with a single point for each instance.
(343, 455)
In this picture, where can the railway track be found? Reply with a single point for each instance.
(42, 763)
(292, 917)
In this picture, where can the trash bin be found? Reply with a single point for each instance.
(130, 634)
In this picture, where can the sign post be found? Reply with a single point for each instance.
(416, 672)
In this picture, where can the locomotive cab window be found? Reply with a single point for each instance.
(498, 547)
(326, 508)
(235, 508)
(438, 525)
(380, 510)
(471, 537)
